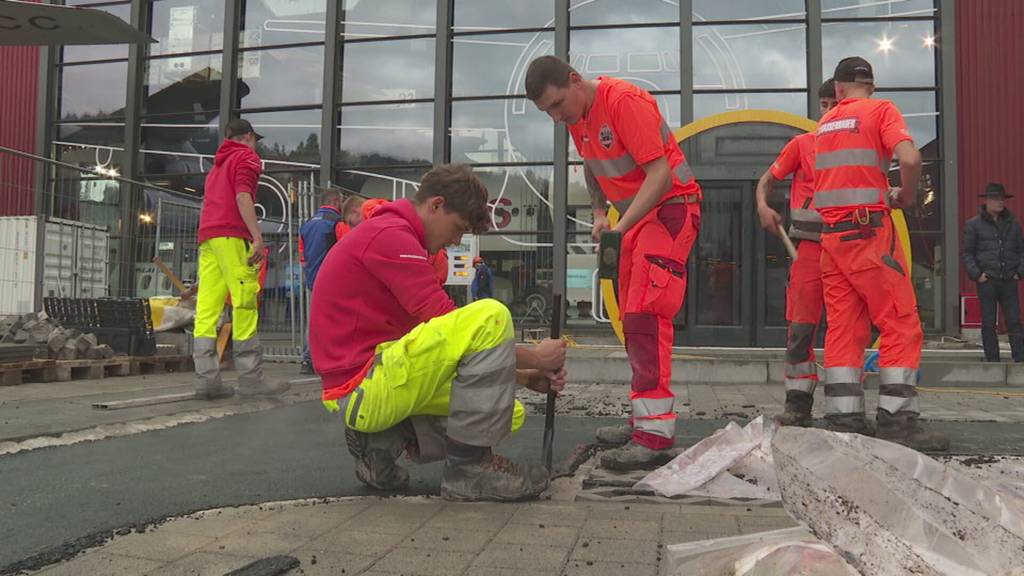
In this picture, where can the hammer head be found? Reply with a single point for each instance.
(608, 255)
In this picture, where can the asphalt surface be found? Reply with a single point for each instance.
(55, 501)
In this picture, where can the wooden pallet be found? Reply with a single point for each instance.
(86, 369)
(14, 373)
(162, 363)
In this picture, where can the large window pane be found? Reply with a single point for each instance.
(648, 57)
(747, 9)
(388, 183)
(901, 53)
(386, 134)
(497, 14)
(366, 19)
(292, 135)
(186, 26)
(705, 105)
(102, 51)
(919, 112)
(494, 65)
(874, 8)
(593, 12)
(182, 83)
(750, 56)
(93, 90)
(98, 134)
(179, 146)
(492, 131)
(281, 77)
(388, 70)
(269, 22)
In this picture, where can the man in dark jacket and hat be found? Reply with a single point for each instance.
(993, 253)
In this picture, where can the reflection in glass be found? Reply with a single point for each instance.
(497, 14)
(747, 9)
(178, 147)
(388, 183)
(102, 51)
(705, 105)
(182, 83)
(181, 26)
(493, 131)
(386, 134)
(921, 116)
(388, 70)
(82, 195)
(270, 22)
(292, 135)
(93, 90)
(731, 57)
(776, 262)
(281, 77)
(495, 64)
(927, 267)
(874, 8)
(899, 52)
(595, 12)
(648, 57)
(377, 19)
(718, 255)
(100, 134)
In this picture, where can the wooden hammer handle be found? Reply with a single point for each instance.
(790, 248)
(170, 274)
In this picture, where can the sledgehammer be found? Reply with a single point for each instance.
(790, 248)
(549, 412)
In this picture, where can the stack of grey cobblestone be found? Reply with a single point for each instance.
(49, 339)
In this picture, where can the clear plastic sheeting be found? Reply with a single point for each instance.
(733, 462)
(890, 510)
(793, 551)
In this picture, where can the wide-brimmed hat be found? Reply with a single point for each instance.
(995, 190)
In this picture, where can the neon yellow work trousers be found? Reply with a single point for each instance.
(461, 366)
(223, 270)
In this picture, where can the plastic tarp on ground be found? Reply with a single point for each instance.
(793, 552)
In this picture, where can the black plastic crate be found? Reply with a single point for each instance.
(125, 324)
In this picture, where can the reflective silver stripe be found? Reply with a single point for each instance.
(659, 427)
(683, 172)
(353, 416)
(844, 404)
(848, 197)
(906, 376)
(801, 370)
(647, 407)
(802, 384)
(666, 132)
(894, 404)
(843, 374)
(612, 167)
(798, 234)
(805, 215)
(847, 157)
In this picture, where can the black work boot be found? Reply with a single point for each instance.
(615, 435)
(635, 456)
(377, 454)
(798, 409)
(306, 367)
(475, 473)
(904, 428)
(849, 424)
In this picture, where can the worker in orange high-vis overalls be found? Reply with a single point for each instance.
(864, 270)
(804, 299)
(632, 160)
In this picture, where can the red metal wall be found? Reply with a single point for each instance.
(19, 84)
(990, 112)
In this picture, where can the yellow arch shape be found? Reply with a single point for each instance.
(611, 303)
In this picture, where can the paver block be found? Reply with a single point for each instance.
(404, 518)
(321, 563)
(448, 539)
(551, 515)
(609, 550)
(621, 529)
(157, 545)
(416, 561)
(202, 564)
(355, 541)
(534, 534)
(591, 568)
(249, 542)
(525, 557)
(102, 563)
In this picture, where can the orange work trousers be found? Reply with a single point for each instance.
(804, 304)
(866, 282)
(652, 285)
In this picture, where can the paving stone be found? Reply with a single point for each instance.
(590, 568)
(355, 542)
(320, 563)
(448, 539)
(157, 545)
(416, 561)
(533, 534)
(608, 550)
(669, 538)
(309, 521)
(492, 571)
(102, 563)
(219, 522)
(525, 557)
(249, 542)
(201, 564)
(726, 523)
(622, 529)
(395, 518)
(751, 524)
(635, 512)
(551, 515)
(475, 516)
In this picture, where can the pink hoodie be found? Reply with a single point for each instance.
(374, 286)
(236, 170)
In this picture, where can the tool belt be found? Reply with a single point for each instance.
(623, 205)
(862, 223)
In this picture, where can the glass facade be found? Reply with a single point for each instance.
(367, 95)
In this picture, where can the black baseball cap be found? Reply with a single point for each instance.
(854, 69)
(239, 127)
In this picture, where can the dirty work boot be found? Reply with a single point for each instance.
(904, 428)
(249, 364)
(376, 457)
(798, 409)
(614, 435)
(474, 473)
(209, 386)
(306, 367)
(849, 424)
(635, 456)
